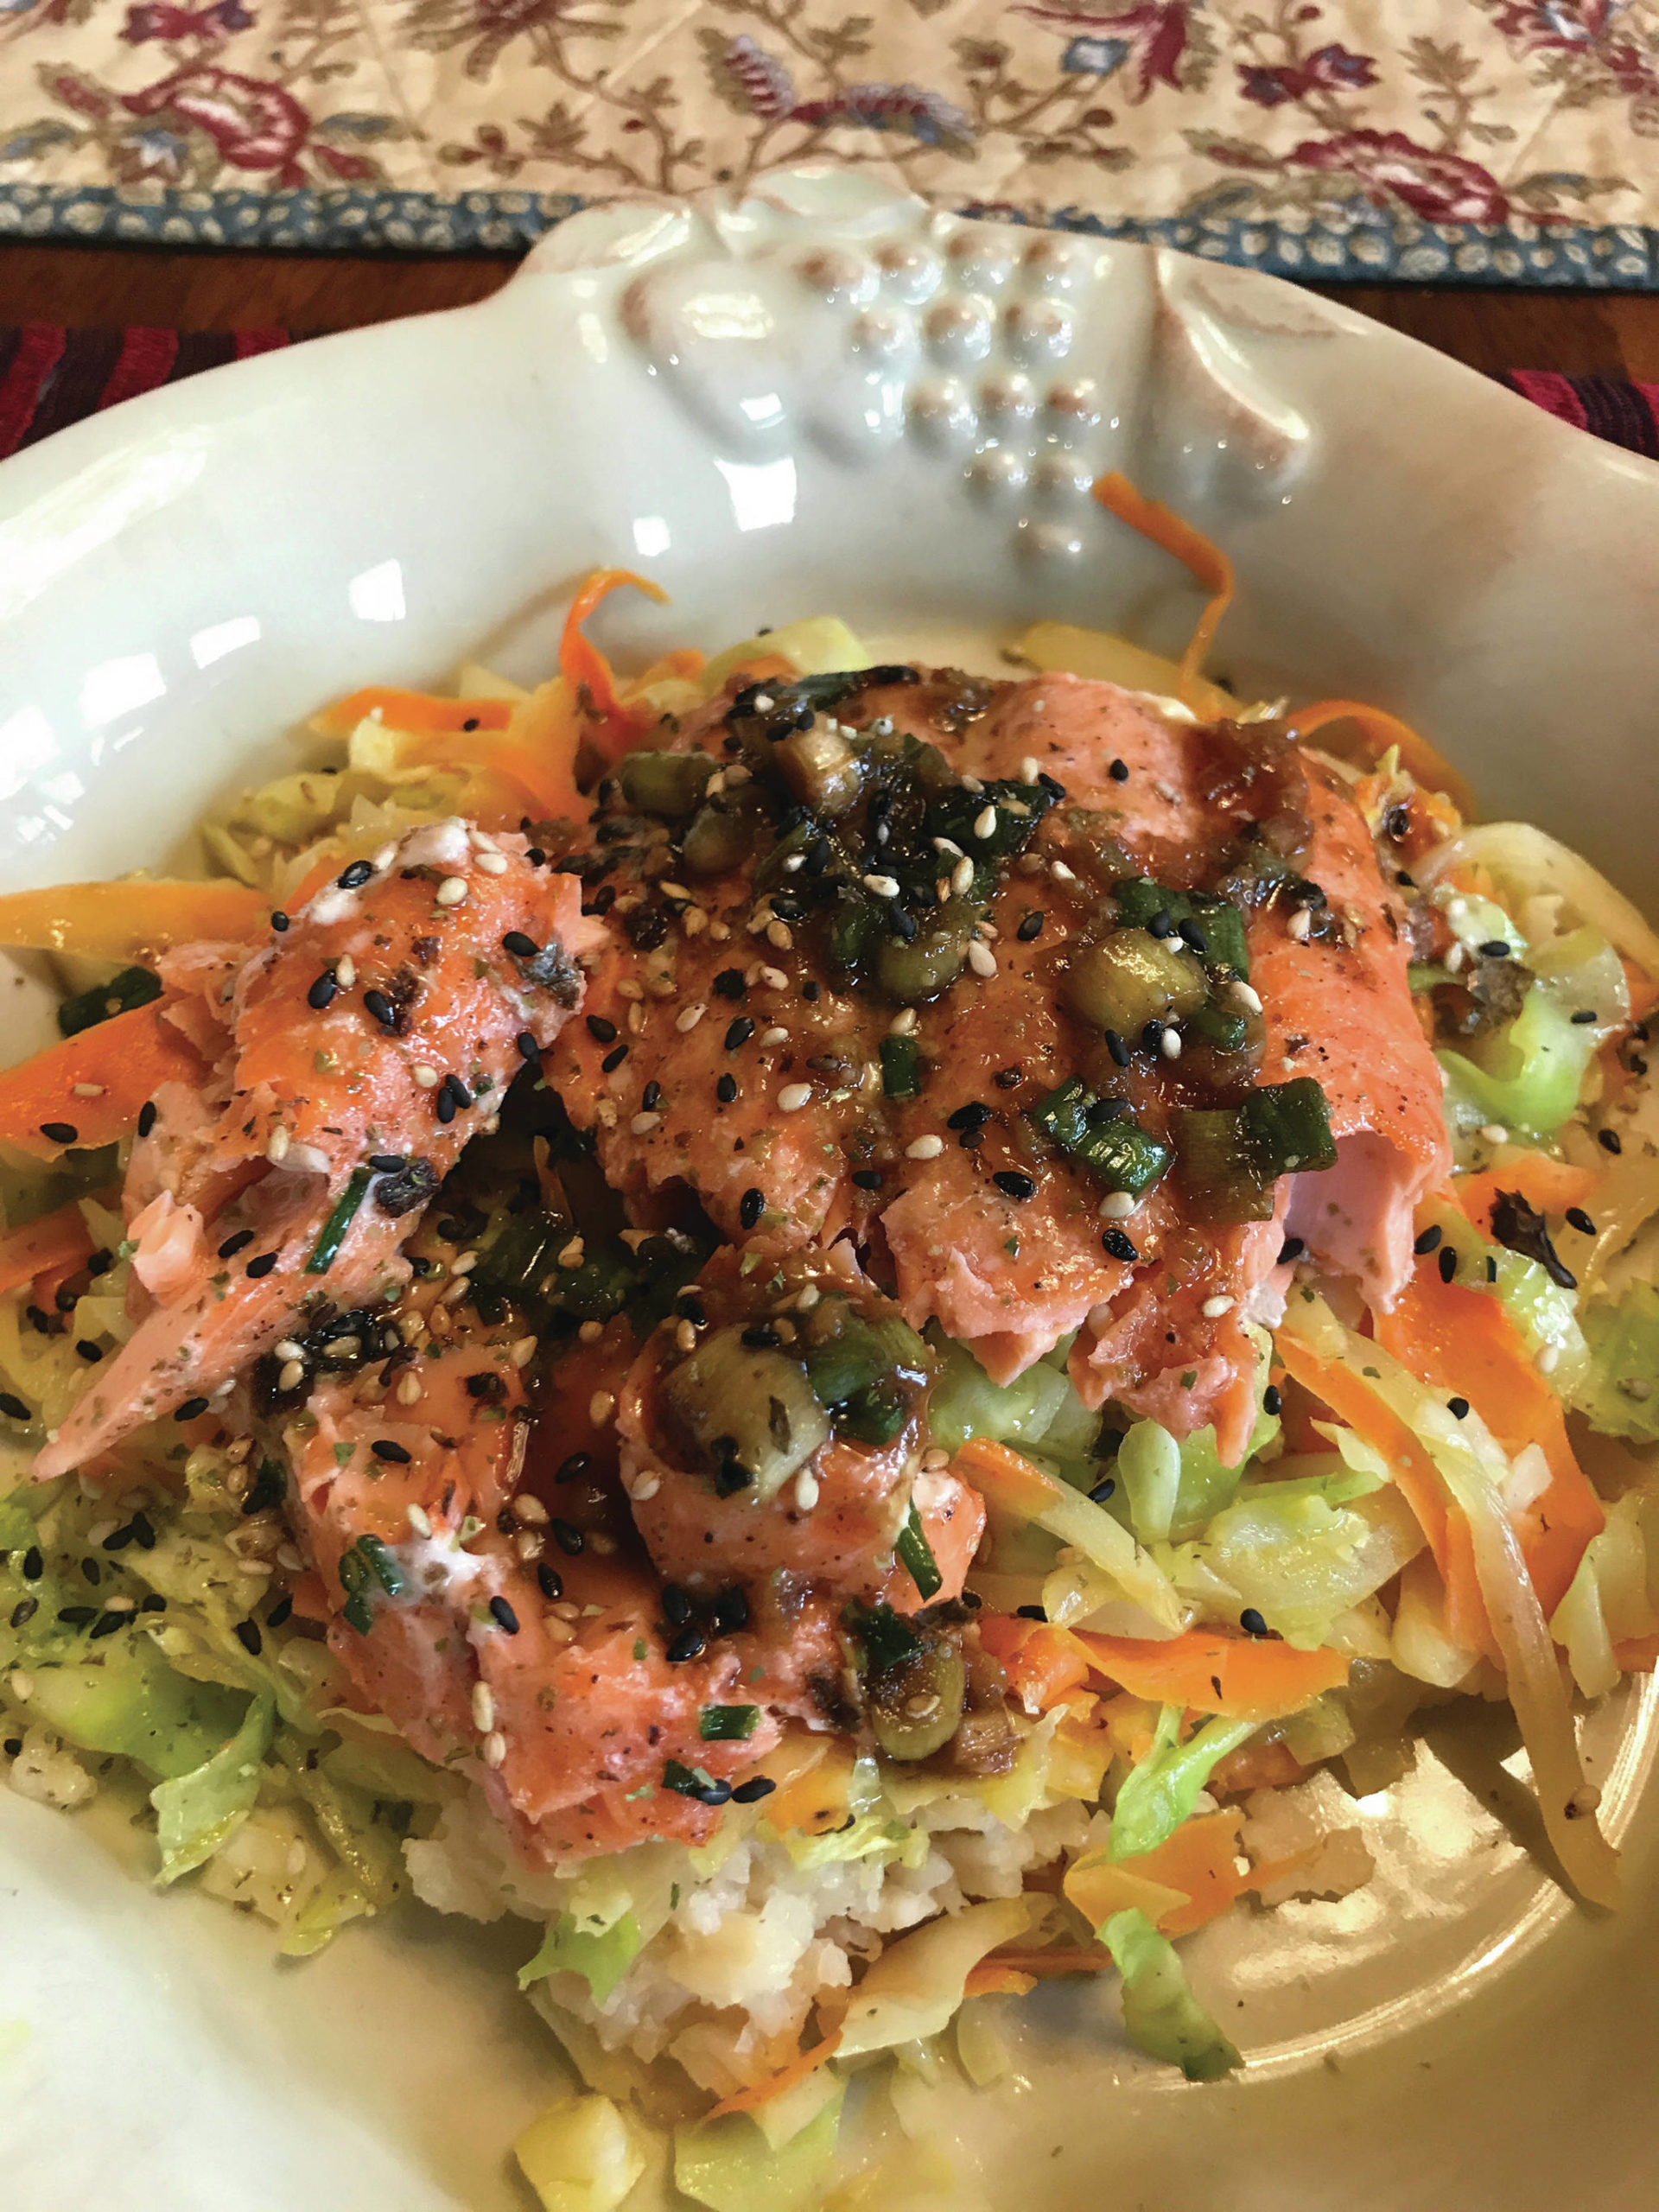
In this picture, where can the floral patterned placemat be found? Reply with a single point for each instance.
(1513, 141)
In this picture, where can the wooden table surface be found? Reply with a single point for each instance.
(1589, 333)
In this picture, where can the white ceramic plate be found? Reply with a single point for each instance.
(825, 398)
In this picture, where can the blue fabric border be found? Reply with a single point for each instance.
(1371, 247)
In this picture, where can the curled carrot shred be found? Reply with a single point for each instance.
(420, 712)
(59, 1240)
(1249, 1678)
(122, 1061)
(762, 2092)
(1381, 730)
(612, 725)
(546, 782)
(1204, 560)
(124, 921)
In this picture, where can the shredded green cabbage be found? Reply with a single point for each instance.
(1160, 2014)
(1619, 1395)
(198, 1812)
(729, 2163)
(1163, 1790)
(600, 1955)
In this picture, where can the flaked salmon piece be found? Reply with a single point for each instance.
(351, 1037)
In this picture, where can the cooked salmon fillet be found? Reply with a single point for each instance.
(349, 1039)
(721, 1054)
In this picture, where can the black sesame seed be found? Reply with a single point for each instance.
(107, 1625)
(91, 1353)
(1429, 1240)
(812, 992)
(262, 1266)
(529, 1050)
(677, 1606)
(146, 1117)
(1102, 1491)
(1014, 1184)
(537, 857)
(33, 1565)
(14, 1745)
(1191, 935)
(903, 925)
(761, 1338)
(525, 948)
(24, 1610)
(143, 1530)
(381, 1007)
(1119, 772)
(1610, 1140)
(739, 1033)
(354, 877)
(650, 1098)
(458, 1090)
(152, 1602)
(383, 1447)
(729, 984)
(247, 1634)
(726, 1090)
(1162, 925)
(14, 1409)
(443, 1105)
(691, 1309)
(280, 1612)
(1006, 1079)
(1291, 1249)
(1152, 1037)
(322, 993)
(1031, 925)
(1493, 947)
(504, 1616)
(1031, 1612)
(1457, 1407)
(867, 1178)
(568, 1538)
(279, 921)
(1117, 1048)
(750, 1207)
(550, 1582)
(613, 1060)
(690, 1644)
(238, 1242)
(77, 1616)
(1118, 1247)
(190, 1410)
(1448, 1262)
(751, 1792)
(973, 1115)
(1273, 1400)
(1584, 1016)
(730, 1614)
(1252, 1622)
(1577, 1218)
(92, 1571)
(60, 1132)
(602, 1032)
(387, 1163)
(573, 1468)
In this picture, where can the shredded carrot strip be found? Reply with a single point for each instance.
(1204, 560)
(988, 1979)
(1380, 731)
(124, 921)
(1007, 1969)
(785, 2078)
(1463, 1341)
(125, 1058)
(1248, 1677)
(1637, 1655)
(547, 782)
(611, 726)
(1547, 1185)
(419, 712)
(1004, 1479)
(1044, 1664)
(1256, 1766)
(60, 1240)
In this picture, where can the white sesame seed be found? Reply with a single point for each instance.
(483, 1707)
(463, 1263)
(22, 1685)
(523, 1353)
(935, 1458)
(384, 858)
(928, 1147)
(793, 1096)
(646, 1489)
(688, 1018)
(1028, 769)
(492, 863)
(737, 774)
(290, 1374)
(981, 958)
(570, 1256)
(427, 1078)
(1548, 1359)
(495, 1748)
(529, 1508)
(972, 784)
(287, 1556)
(671, 890)
(287, 1349)
(87, 1090)
(636, 1020)
(1061, 873)
(451, 891)
(774, 1036)
(780, 936)
(129, 1604)
(408, 1392)
(1298, 925)
(903, 1023)
(480, 841)
(949, 847)
(774, 978)
(642, 1124)
(346, 971)
(529, 1544)
(763, 703)
(1213, 1308)
(961, 877)
(1494, 1132)
(694, 921)
(1243, 995)
(601, 1407)
(794, 864)
(985, 823)
(1116, 1206)
(685, 1336)
(881, 886)
(419, 1519)
(276, 1146)
(629, 990)
(806, 1490)
(590, 1333)
(807, 1298)
(1170, 1044)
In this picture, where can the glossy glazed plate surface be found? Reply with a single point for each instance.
(824, 398)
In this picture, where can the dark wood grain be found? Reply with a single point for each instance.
(1594, 334)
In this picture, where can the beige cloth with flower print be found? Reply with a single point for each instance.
(1540, 118)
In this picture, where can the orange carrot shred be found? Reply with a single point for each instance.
(613, 726)
(124, 921)
(1204, 562)
(60, 1241)
(762, 2092)
(420, 712)
(124, 1058)
(1381, 730)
